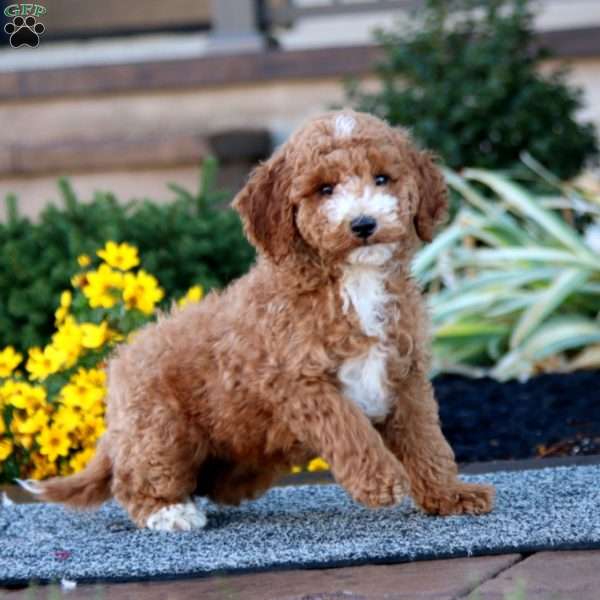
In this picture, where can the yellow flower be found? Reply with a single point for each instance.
(66, 298)
(6, 389)
(68, 339)
(194, 294)
(100, 287)
(9, 360)
(9, 390)
(92, 377)
(21, 439)
(6, 448)
(63, 310)
(93, 336)
(54, 442)
(85, 378)
(119, 256)
(90, 429)
(33, 424)
(41, 467)
(80, 460)
(24, 440)
(83, 260)
(60, 314)
(85, 391)
(2, 426)
(142, 291)
(79, 280)
(317, 464)
(67, 419)
(35, 398)
(17, 400)
(296, 469)
(28, 397)
(15, 423)
(82, 397)
(44, 363)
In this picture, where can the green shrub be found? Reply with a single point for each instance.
(190, 240)
(464, 77)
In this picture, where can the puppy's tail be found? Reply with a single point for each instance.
(85, 489)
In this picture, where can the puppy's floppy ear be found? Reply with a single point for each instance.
(266, 209)
(433, 195)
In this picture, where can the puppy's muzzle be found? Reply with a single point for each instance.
(363, 227)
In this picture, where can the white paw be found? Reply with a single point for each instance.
(177, 517)
(399, 493)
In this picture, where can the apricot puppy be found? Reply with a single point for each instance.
(322, 348)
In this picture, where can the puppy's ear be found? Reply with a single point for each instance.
(266, 210)
(433, 196)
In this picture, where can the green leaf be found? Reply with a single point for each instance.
(506, 256)
(518, 198)
(466, 329)
(492, 210)
(559, 335)
(497, 280)
(565, 284)
(69, 197)
(512, 304)
(470, 302)
(429, 254)
(553, 337)
(12, 208)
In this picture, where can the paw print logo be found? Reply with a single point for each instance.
(24, 32)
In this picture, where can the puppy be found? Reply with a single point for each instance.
(322, 348)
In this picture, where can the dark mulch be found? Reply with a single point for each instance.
(549, 415)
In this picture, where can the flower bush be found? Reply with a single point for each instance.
(52, 400)
(191, 238)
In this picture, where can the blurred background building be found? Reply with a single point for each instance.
(126, 96)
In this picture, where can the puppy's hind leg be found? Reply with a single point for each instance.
(154, 477)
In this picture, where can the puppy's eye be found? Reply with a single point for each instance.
(381, 179)
(326, 189)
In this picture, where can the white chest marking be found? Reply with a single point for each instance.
(363, 378)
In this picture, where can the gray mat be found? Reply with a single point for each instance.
(306, 527)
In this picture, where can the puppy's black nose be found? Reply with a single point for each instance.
(363, 226)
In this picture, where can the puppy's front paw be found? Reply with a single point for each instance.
(380, 490)
(459, 498)
(384, 494)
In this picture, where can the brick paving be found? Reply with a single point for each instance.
(541, 576)
(549, 576)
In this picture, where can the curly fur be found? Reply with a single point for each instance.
(322, 348)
